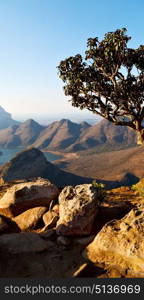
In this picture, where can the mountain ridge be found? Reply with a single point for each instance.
(66, 136)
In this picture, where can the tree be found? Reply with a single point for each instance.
(109, 81)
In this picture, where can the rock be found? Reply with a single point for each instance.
(84, 240)
(56, 208)
(23, 196)
(30, 218)
(62, 240)
(78, 207)
(121, 243)
(115, 273)
(48, 234)
(7, 225)
(50, 218)
(3, 224)
(18, 243)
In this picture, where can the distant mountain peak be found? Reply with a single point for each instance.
(31, 122)
(84, 123)
(65, 121)
(6, 119)
(3, 111)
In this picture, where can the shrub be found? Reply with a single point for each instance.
(100, 190)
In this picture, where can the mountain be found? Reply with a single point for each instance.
(32, 163)
(60, 135)
(20, 135)
(67, 136)
(104, 133)
(6, 119)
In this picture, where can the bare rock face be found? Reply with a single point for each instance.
(78, 207)
(18, 243)
(121, 243)
(23, 196)
(50, 218)
(30, 218)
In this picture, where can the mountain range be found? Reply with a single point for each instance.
(6, 119)
(94, 145)
(65, 135)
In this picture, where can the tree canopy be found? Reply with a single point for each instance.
(109, 81)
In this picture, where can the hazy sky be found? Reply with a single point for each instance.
(35, 35)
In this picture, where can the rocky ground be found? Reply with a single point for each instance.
(80, 231)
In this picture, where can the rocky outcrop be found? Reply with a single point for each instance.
(27, 195)
(29, 219)
(59, 229)
(78, 207)
(121, 243)
(31, 163)
(26, 164)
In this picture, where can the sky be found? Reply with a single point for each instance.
(35, 35)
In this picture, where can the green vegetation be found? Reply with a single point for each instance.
(100, 190)
(139, 187)
(109, 81)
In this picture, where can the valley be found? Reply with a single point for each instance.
(102, 151)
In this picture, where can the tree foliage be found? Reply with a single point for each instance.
(109, 81)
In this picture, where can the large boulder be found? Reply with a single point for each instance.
(121, 243)
(20, 197)
(25, 242)
(78, 207)
(30, 218)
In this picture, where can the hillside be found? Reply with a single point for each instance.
(104, 133)
(20, 135)
(32, 163)
(123, 167)
(67, 136)
(60, 135)
(6, 119)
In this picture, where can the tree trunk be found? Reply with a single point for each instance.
(140, 137)
(140, 132)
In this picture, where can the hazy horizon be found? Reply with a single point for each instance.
(46, 119)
